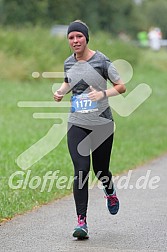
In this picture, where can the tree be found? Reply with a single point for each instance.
(156, 14)
(20, 12)
(107, 15)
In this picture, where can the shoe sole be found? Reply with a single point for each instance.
(80, 234)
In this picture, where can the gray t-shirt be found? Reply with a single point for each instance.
(81, 75)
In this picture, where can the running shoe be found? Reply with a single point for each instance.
(112, 202)
(81, 230)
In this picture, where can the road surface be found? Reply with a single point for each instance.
(140, 225)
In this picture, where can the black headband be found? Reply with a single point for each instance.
(77, 26)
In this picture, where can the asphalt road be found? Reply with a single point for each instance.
(140, 225)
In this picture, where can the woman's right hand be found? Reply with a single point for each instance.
(58, 96)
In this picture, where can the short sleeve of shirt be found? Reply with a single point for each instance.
(110, 71)
(65, 74)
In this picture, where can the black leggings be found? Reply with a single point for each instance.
(99, 140)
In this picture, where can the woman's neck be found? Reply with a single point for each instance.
(85, 55)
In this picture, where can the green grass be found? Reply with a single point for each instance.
(139, 137)
(20, 131)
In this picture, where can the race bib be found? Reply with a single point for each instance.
(82, 104)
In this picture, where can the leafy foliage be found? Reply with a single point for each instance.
(107, 15)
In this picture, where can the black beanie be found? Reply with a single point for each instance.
(80, 27)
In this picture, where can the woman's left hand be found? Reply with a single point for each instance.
(95, 95)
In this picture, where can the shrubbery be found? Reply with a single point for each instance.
(23, 51)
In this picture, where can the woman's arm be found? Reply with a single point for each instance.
(59, 94)
(117, 89)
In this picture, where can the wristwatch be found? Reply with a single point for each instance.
(104, 93)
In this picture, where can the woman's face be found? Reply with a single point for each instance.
(77, 41)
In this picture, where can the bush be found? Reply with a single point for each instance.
(24, 51)
(116, 48)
